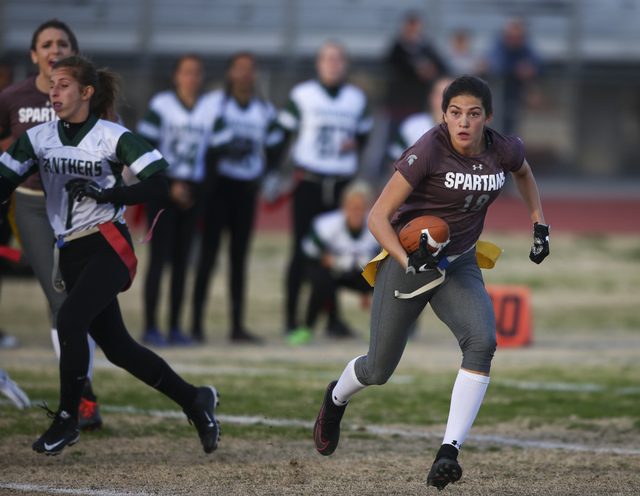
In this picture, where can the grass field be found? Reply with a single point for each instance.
(561, 416)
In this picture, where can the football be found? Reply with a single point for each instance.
(410, 234)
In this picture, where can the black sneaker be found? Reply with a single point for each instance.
(62, 433)
(89, 417)
(202, 413)
(326, 432)
(442, 472)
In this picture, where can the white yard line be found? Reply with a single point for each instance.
(247, 420)
(33, 488)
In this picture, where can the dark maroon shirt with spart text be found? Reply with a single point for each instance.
(23, 106)
(455, 187)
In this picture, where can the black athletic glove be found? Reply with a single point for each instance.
(540, 248)
(422, 259)
(83, 188)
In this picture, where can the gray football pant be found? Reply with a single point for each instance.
(36, 235)
(461, 302)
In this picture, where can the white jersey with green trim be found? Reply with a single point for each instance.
(330, 235)
(410, 131)
(98, 152)
(253, 129)
(182, 135)
(324, 124)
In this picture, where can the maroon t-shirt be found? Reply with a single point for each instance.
(23, 106)
(455, 187)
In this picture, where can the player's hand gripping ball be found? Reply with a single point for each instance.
(426, 241)
(540, 248)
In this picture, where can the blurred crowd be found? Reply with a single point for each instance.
(231, 148)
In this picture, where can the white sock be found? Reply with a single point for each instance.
(348, 385)
(466, 398)
(56, 342)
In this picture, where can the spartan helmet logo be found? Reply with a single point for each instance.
(411, 159)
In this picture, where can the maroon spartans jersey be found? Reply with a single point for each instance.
(457, 188)
(23, 106)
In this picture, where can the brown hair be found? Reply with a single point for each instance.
(56, 24)
(106, 84)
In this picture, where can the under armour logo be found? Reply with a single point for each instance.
(411, 159)
(476, 167)
(454, 442)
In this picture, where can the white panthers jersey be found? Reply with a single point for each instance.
(324, 123)
(98, 152)
(331, 235)
(252, 127)
(410, 130)
(182, 135)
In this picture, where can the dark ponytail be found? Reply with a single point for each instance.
(106, 84)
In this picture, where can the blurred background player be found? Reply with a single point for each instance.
(416, 125)
(179, 123)
(233, 185)
(12, 391)
(332, 121)
(23, 106)
(337, 248)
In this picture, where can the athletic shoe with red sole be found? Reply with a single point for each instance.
(326, 432)
(89, 415)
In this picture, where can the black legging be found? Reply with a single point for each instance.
(324, 287)
(231, 205)
(94, 274)
(310, 199)
(171, 243)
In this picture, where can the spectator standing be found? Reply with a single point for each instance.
(514, 60)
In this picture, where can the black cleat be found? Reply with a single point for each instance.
(443, 471)
(326, 432)
(202, 413)
(89, 415)
(62, 433)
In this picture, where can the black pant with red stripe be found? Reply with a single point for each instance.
(94, 274)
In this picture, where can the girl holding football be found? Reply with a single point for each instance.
(81, 159)
(438, 176)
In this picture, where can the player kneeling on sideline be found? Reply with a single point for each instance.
(424, 184)
(80, 159)
(338, 246)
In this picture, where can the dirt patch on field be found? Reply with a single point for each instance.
(381, 466)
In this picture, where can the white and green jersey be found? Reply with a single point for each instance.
(253, 128)
(410, 130)
(330, 235)
(182, 135)
(98, 152)
(324, 123)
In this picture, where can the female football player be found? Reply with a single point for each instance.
(233, 186)
(454, 171)
(179, 123)
(23, 106)
(80, 159)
